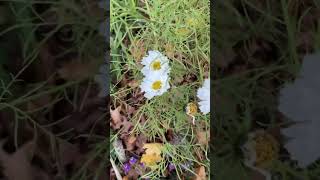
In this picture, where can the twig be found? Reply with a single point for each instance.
(115, 168)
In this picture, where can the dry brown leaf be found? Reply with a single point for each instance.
(201, 173)
(69, 153)
(130, 143)
(41, 174)
(130, 110)
(143, 120)
(116, 117)
(140, 141)
(203, 137)
(199, 152)
(305, 41)
(127, 125)
(138, 50)
(133, 84)
(169, 50)
(88, 120)
(17, 162)
(169, 134)
(133, 174)
(89, 115)
(132, 139)
(75, 70)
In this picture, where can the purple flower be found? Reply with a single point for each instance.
(171, 167)
(126, 168)
(133, 160)
(141, 164)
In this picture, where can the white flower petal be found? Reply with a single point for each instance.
(146, 85)
(304, 147)
(148, 60)
(151, 56)
(149, 95)
(204, 106)
(203, 94)
(300, 102)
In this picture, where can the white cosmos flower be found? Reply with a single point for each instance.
(155, 85)
(300, 102)
(204, 96)
(155, 62)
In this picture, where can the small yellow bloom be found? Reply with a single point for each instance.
(192, 109)
(150, 160)
(267, 149)
(261, 149)
(152, 154)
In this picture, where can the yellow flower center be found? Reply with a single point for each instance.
(267, 149)
(156, 65)
(192, 109)
(156, 85)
